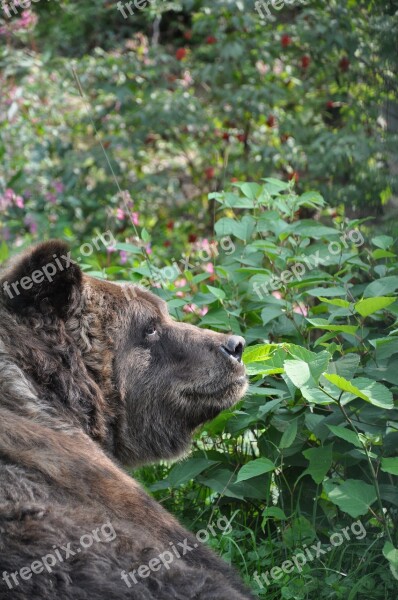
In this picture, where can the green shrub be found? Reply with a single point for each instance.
(313, 447)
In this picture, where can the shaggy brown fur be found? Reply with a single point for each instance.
(91, 377)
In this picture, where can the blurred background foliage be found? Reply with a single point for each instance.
(188, 95)
(181, 101)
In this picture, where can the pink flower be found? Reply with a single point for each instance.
(123, 257)
(110, 249)
(19, 201)
(31, 224)
(277, 295)
(58, 186)
(300, 309)
(190, 308)
(180, 282)
(209, 268)
(5, 201)
(261, 67)
(180, 294)
(148, 249)
(203, 311)
(10, 197)
(27, 19)
(120, 214)
(51, 198)
(134, 218)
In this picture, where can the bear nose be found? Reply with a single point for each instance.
(234, 347)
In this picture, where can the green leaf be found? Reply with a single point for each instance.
(259, 352)
(318, 363)
(254, 468)
(352, 496)
(324, 324)
(390, 465)
(251, 190)
(231, 200)
(274, 186)
(391, 554)
(188, 469)
(383, 241)
(346, 366)
(371, 391)
(320, 460)
(329, 292)
(381, 287)
(346, 434)
(3, 252)
(336, 302)
(345, 385)
(289, 435)
(298, 372)
(368, 306)
(219, 294)
(377, 394)
(379, 254)
(274, 512)
(269, 313)
(128, 248)
(242, 229)
(315, 395)
(145, 235)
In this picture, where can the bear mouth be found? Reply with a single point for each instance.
(227, 394)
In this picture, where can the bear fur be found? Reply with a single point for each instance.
(94, 376)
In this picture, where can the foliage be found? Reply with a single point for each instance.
(313, 447)
(219, 101)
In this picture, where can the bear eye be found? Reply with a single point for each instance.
(151, 330)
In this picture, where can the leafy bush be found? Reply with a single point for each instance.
(313, 447)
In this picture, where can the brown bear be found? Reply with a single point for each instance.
(92, 378)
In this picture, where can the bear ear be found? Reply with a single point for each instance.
(44, 278)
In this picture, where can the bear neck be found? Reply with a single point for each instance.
(50, 367)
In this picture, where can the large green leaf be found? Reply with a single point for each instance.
(346, 434)
(298, 372)
(320, 460)
(242, 229)
(257, 353)
(188, 469)
(390, 465)
(324, 324)
(367, 389)
(289, 435)
(352, 496)
(368, 306)
(345, 385)
(315, 395)
(382, 286)
(254, 468)
(391, 554)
